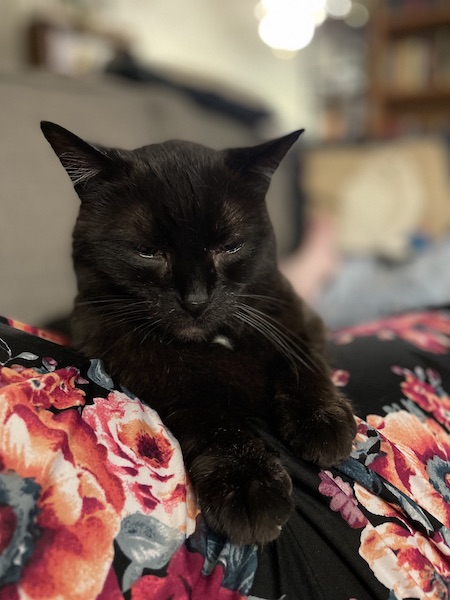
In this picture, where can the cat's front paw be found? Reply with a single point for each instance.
(244, 492)
(323, 435)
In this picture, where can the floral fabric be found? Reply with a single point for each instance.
(95, 503)
(94, 500)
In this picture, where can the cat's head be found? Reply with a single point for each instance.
(177, 230)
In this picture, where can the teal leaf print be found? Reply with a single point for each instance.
(18, 502)
(148, 543)
(97, 374)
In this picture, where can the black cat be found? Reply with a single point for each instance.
(180, 295)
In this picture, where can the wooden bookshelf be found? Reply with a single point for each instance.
(409, 67)
(416, 19)
(430, 97)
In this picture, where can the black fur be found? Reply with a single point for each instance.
(173, 247)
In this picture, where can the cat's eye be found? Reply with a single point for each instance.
(230, 248)
(149, 252)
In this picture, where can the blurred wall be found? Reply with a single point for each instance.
(214, 40)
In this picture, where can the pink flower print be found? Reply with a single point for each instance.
(340, 378)
(428, 331)
(184, 581)
(145, 457)
(424, 387)
(342, 499)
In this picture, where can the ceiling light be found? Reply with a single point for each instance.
(339, 9)
(289, 25)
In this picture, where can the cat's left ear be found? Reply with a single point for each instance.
(81, 160)
(264, 158)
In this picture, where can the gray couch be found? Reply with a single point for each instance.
(38, 204)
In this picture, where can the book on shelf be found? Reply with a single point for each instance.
(409, 62)
(418, 62)
(441, 58)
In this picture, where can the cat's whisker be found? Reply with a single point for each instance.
(269, 335)
(113, 319)
(117, 307)
(122, 317)
(271, 299)
(109, 300)
(287, 332)
(279, 345)
(283, 339)
(114, 306)
(139, 329)
(134, 330)
(288, 344)
(152, 328)
(123, 314)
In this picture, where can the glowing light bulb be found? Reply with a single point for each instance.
(339, 9)
(289, 25)
(358, 16)
(281, 33)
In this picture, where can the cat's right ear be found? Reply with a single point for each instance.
(82, 161)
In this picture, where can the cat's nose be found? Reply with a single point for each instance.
(195, 306)
(194, 292)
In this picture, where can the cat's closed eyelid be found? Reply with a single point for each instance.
(231, 248)
(150, 253)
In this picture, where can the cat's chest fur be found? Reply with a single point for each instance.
(160, 372)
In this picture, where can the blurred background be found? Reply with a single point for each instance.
(361, 205)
